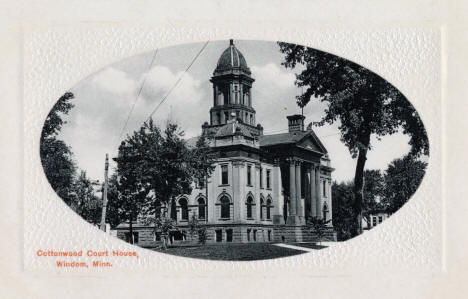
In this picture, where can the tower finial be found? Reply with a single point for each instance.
(231, 42)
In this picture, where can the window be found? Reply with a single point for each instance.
(249, 207)
(225, 207)
(374, 220)
(229, 235)
(219, 235)
(324, 189)
(249, 175)
(268, 179)
(224, 175)
(261, 177)
(226, 117)
(131, 238)
(251, 119)
(173, 210)
(380, 219)
(261, 208)
(269, 236)
(184, 208)
(201, 208)
(268, 207)
(248, 234)
(325, 210)
(255, 235)
(200, 183)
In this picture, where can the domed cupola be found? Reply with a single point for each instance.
(231, 60)
(232, 95)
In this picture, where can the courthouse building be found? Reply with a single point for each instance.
(263, 186)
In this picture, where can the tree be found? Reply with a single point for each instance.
(159, 163)
(56, 156)
(318, 225)
(373, 192)
(85, 202)
(363, 103)
(114, 214)
(195, 227)
(343, 218)
(163, 225)
(402, 178)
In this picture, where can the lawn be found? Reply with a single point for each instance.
(232, 252)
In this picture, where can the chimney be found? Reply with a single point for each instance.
(296, 123)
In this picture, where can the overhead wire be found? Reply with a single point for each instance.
(178, 81)
(138, 95)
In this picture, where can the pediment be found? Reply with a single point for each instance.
(312, 143)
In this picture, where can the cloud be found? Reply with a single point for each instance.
(187, 103)
(114, 81)
(271, 73)
(273, 96)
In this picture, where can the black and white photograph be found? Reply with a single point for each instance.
(234, 150)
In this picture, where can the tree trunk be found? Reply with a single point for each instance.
(359, 183)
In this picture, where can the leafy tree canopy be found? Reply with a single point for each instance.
(362, 102)
(402, 178)
(56, 156)
(155, 166)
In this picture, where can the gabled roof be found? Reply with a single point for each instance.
(299, 138)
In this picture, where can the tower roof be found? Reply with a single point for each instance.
(232, 58)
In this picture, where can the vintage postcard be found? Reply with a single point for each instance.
(182, 150)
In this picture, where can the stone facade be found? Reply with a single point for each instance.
(263, 186)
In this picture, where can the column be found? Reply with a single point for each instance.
(318, 200)
(292, 188)
(238, 189)
(299, 204)
(313, 195)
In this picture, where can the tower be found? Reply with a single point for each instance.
(232, 95)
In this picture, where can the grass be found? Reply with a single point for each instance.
(234, 252)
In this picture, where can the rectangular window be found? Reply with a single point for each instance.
(380, 219)
(269, 236)
(248, 234)
(268, 179)
(229, 235)
(219, 235)
(255, 235)
(132, 239)
(224, 175)
(261, 177)
(374, 220)
(324, 189)
(249, 175)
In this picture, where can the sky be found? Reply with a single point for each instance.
(104, 99)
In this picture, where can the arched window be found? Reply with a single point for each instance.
(201, 208)
(225, 207)
(262, 203)
(268, 207)
(184, 208)
(249, 207)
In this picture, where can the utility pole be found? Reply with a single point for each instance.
(104, 201)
